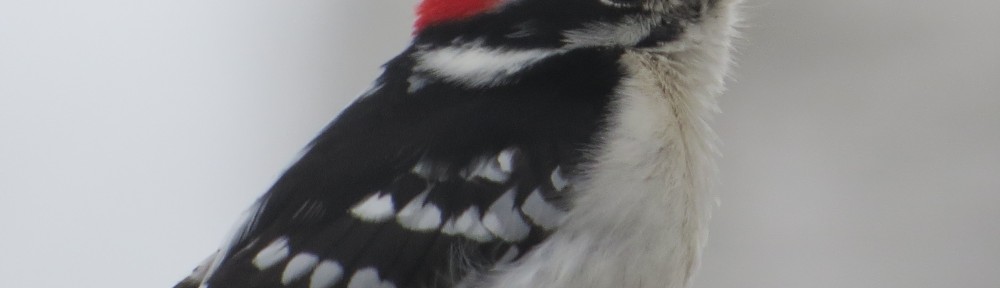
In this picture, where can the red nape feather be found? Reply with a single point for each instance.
(430, 12)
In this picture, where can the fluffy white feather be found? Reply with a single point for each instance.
(640, 211)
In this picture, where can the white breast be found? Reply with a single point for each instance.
(640, 211)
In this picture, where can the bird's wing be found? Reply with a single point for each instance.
(410, 230)
(414, 188)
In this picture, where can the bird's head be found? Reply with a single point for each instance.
(530, 24)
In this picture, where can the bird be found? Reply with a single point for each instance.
(513, 143)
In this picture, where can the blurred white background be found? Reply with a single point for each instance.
(862, 138)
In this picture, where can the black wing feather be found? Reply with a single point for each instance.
(427, 144)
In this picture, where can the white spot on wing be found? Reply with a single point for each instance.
(423, 169)
(298, 266)
(368, 278)
(430, 218)
(419, 215)
(326, 274)
(376, 208)
(477, 66)
(558, 181)
(272, 254)
(468, 225)
(541, 212)
(449, 227)
(489, 168)
(415, 83)
(506, 159)
(504, 221)
(430, 171)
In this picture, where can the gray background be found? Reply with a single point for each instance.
(862, 138)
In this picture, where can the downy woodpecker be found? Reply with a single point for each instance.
(515, 143)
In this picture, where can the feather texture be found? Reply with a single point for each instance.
(557, 143)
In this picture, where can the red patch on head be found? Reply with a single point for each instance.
(430, 12)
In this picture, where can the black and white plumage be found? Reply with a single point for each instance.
(520, 143)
